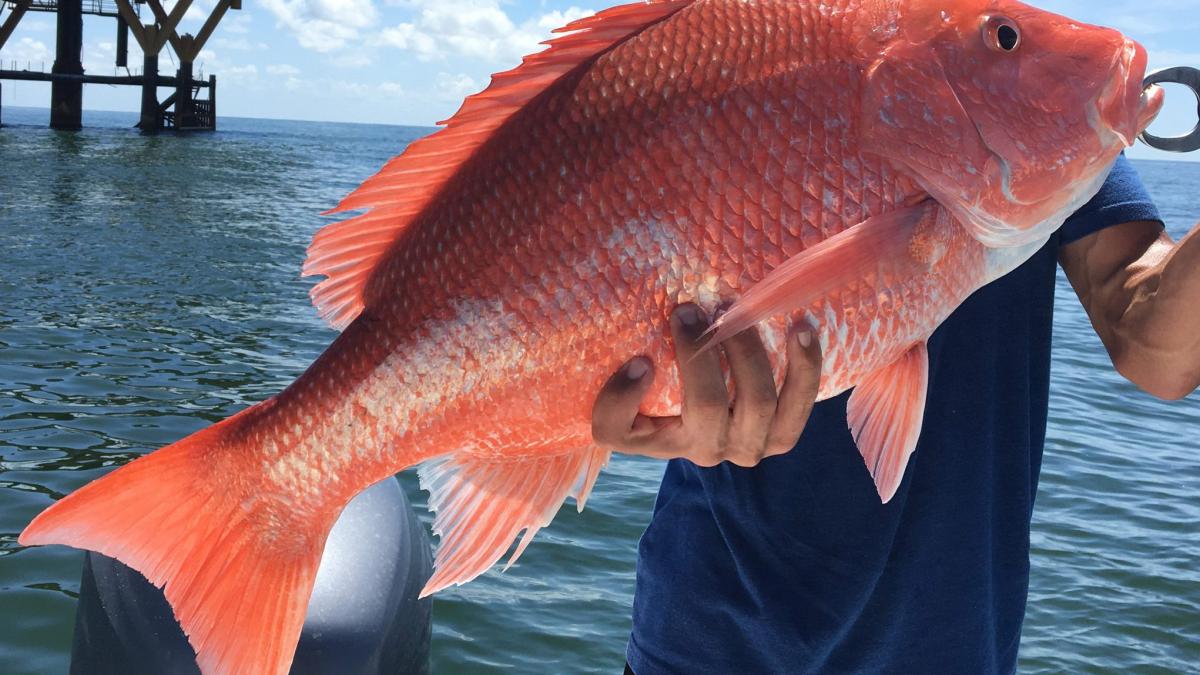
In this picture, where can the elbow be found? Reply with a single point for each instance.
(1168, 390)
(1158, 377)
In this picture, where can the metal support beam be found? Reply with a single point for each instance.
(135, 80)
(209, 26)
(212, 98)
(183, 96)
(122, 42)
(181, 110)
(66, 97)
(14, 17)
(150, 120)
(134, 22)
(167, 23)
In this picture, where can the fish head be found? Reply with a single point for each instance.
(1008, 115)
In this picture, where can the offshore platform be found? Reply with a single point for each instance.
(183, 110)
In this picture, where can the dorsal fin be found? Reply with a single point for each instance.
(346, 252)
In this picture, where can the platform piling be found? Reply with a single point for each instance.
(66, 95)
(183, 110)
(150, 121)
(122, 42)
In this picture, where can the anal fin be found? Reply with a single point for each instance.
(483, 503)
(885, 414)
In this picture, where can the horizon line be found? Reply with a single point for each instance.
(1190, 158)
(235, 117)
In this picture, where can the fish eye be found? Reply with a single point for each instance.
(1001, 34)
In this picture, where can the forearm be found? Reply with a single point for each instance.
(1155, 338)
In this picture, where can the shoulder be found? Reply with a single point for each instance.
(1122, 199)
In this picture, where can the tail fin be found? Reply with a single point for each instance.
(238, 579)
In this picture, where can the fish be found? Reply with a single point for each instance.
(858, 166)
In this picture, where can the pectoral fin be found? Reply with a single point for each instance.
(882, 244)
(885, 413)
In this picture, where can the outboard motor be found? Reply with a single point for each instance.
(364, 617)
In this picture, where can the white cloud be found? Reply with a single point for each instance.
(323, 25)
(234, 72)
(390, 88)
(194, 15)
(435, 29)
(236, 22)
(455, 87)
(478, 29)
(342, 89)
(557, 19)
(247, 74)
(27, 53)
(406, 36)
(355, 57)
(239, 43)
(282, 69)
(35, 26)
(100, 57)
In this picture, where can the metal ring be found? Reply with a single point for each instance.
(1190, 78)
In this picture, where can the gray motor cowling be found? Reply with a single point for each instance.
(364, 616)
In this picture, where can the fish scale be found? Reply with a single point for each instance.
(520, 207)
(811, 162)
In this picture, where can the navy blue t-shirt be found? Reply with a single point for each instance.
(795, 567)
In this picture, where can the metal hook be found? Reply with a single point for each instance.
(1190, 78)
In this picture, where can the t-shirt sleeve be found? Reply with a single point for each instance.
(1122, 199)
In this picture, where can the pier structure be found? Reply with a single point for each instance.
(183, 110)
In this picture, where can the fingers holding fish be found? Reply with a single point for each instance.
(703, 382)
(758, 424)
(706, 409)
(618, 426)
(755, 399)
(798, 395)
(700, 433)
(616, 423)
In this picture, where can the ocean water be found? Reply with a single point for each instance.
(149, 286)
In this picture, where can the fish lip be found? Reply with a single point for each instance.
(1153, 98)
(1125, 107)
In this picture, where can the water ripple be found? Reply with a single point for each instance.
(151, 288)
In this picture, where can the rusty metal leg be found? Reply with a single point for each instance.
(122, 42)
(66, 96)
(184, 115)
(150, 121)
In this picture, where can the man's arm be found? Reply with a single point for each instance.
(1142, 293)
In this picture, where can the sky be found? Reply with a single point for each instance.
(412, 61)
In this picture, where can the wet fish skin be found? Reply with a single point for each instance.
(862, 166)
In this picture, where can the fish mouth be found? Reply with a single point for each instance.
(1152, 103)
(1125, 106)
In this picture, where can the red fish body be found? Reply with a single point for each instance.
(835, 163)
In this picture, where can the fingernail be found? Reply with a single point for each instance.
(689, 316)
(637, 369)
(805, 338)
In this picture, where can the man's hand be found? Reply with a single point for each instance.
(711, 430)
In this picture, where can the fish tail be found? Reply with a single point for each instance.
(237, 570)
